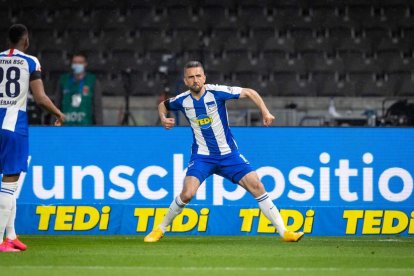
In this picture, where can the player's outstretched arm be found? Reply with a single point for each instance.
(268, 118)
(168, 123)
(44, 101)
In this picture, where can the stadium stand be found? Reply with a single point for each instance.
(286, 48)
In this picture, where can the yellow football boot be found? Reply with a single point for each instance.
(154, 236)
(292, 236)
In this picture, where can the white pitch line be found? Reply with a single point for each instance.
(218, 268)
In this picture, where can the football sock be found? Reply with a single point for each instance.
(271, 212)
(10, 230)
(6, 204)
(175, 209)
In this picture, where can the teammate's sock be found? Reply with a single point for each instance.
(10, 230)
(272, 213)
(175, 209)
(6, 204)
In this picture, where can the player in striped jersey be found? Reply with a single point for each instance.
(214, 150)
(18, 73)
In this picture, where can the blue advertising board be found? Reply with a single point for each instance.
(121, 180)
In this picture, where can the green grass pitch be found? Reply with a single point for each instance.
(194, 255)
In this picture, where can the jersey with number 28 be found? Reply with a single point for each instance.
(208, 118)
(16, 71)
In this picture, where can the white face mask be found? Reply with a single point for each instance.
(78, 68)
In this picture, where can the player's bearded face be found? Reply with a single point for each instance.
(194, 79)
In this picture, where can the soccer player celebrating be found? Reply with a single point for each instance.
(214, 150)
(18, 73)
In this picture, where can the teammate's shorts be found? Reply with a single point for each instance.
(231, 166)
(14, 152)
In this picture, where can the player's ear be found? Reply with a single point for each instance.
(26, 43)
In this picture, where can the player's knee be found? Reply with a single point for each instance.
(6, 201)
(256, 187)
(186, 196)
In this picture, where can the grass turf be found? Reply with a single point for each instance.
(246, 255)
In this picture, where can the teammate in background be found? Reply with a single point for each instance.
(18, 73)
(214, 150)
(79, 94)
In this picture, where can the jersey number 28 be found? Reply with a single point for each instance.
(12, 87)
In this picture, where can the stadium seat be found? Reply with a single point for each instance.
(112, 85)
(405, 83)
(180, 16)
(407, 20)
(394, 60)
(139, 16)
(358, 61)
(376, 34)
(321, 61)
(261, 34)
(268, 88)
(52, 60)
(301, 37)
(394, 13)
(230, 37)
(253, 15)
(368, 84)
(292, 84)
(273, 61)
(331, 84)
(249, 79)
(281, 43)
(122, 60)
(186, 39)
(142, 84)
(215, 16)
(213, 77)
(220, 36)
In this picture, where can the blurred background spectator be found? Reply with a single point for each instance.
(79, 95)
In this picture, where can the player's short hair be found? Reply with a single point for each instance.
(16, 32)
(79, 54)
(192, 64)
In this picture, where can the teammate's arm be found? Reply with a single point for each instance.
(39, 95)
(255, 97)
(168, 123)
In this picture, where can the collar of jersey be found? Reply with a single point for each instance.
(205, 92)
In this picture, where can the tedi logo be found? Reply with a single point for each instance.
(204, 121)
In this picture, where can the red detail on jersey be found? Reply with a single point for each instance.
(10, 53)
(85, 90)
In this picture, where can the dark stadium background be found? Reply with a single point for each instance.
(302, 56)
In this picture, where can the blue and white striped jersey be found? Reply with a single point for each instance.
(16, 71)
(208, 118)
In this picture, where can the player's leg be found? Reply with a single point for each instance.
(252, 183)
(11, 236)
(8, 187)
(191, 185)
(198, 170)
(10, 230)
(13, 158)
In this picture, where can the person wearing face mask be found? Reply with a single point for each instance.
(79, 94)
